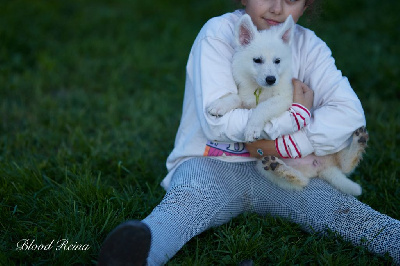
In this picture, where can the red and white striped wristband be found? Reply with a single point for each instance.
(287, 147)
(300, 116)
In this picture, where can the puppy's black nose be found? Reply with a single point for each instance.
(270, 80)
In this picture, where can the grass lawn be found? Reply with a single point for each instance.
(90, 101)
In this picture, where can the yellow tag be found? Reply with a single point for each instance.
(257, 93)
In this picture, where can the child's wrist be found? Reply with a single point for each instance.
(300, 116)
(287, 147)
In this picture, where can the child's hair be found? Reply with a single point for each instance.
(313, 9)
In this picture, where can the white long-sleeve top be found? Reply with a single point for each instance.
(336, 113)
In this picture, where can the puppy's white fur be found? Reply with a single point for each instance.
(262, 69)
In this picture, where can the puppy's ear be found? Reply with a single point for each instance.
(287, 30)
(245, 30)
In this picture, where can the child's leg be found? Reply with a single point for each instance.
(204, 193)
(319, 206)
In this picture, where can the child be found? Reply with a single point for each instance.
(205, 191)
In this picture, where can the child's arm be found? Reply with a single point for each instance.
(266, 146)
(209, 77)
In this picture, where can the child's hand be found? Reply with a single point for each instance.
(302, 94)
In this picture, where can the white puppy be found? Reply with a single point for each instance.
(262, 69)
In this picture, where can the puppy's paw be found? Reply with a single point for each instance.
(217, 109)
(361, 136)
(223, 105)
(271, 163)
(293, 178)
(252, 133)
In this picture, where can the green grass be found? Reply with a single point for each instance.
(90, 101)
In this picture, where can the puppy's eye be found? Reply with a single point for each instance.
(258, 60)
(277, 61)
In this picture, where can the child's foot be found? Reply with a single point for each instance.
(127, 244)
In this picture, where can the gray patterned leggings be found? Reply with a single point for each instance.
(206, 193)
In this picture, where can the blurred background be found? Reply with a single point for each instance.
(90, 101)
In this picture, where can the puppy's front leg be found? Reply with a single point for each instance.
(262, 114)
(254, 127)
(222, 105)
